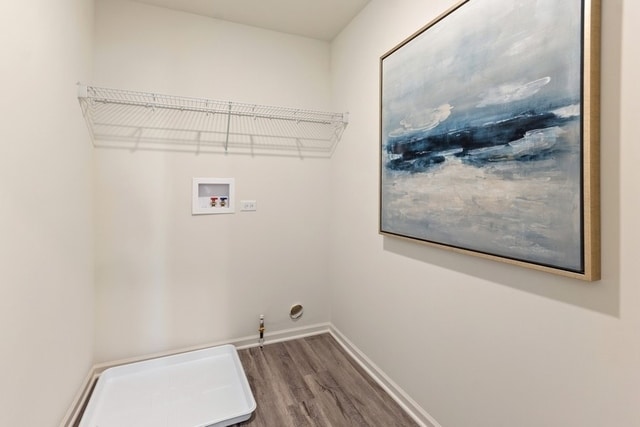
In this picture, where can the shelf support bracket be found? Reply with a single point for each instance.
(226, 141)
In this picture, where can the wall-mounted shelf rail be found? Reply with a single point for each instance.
(140, 120)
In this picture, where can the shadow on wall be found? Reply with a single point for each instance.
(602, 296)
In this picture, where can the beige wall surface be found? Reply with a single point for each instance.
(476, 342)
(166, 279)
(46, 244)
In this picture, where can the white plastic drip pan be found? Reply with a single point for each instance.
(202, 388)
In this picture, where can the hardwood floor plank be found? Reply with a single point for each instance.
(263, 385)
(304, 356)
(282, 365)
(361, 387)
(335, 402)
(313, 382)
(303, 416)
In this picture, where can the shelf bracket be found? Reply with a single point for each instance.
(226, 140)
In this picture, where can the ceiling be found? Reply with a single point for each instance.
(317, 19)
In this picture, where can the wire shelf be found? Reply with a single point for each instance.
(140, 120)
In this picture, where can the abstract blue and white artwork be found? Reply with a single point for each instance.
(481, 132)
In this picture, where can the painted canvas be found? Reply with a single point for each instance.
(482, 132)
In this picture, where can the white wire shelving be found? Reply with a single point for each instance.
(141, 120)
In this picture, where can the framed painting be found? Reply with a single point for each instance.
(489, 133)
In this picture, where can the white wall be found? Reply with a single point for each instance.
(46, 245)
(475, 342)
(166, 279)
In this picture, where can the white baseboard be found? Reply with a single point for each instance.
(410, 406)
(283, 335)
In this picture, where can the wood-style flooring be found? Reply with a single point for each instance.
(312, 381)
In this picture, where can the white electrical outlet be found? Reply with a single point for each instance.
(248, 205)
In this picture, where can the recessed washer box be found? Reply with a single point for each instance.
(213, 196)
(202, 388)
